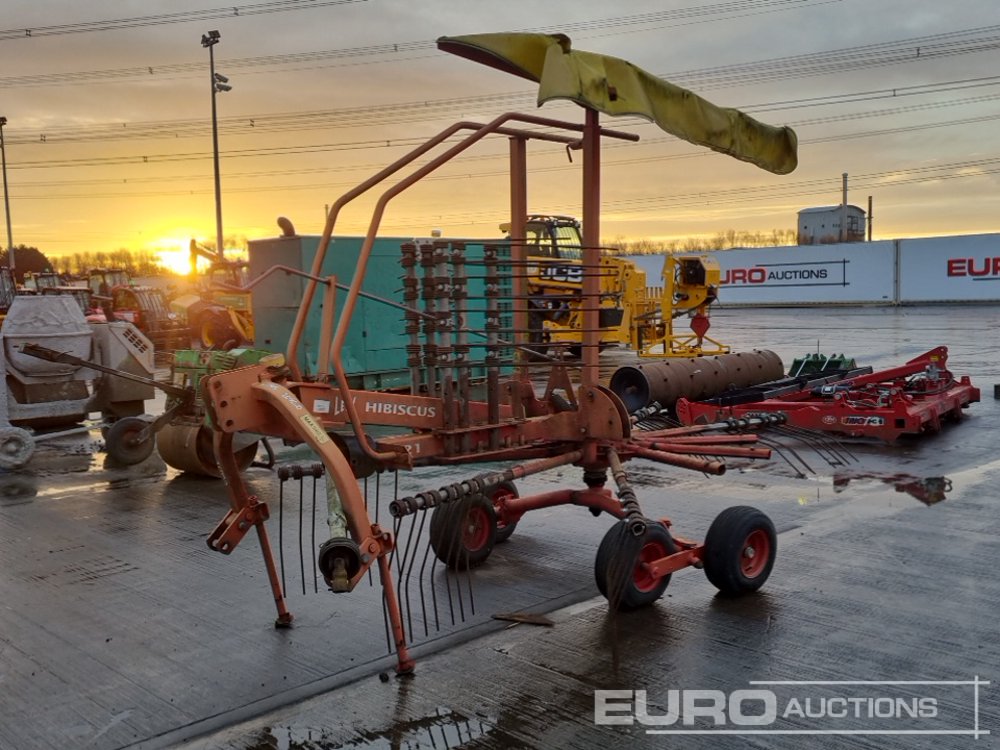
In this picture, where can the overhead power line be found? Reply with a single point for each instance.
(916, 49)
(160, 19)
(693, 14)
(609, 164)
(885, 180)
(419, 111)
(928, 47)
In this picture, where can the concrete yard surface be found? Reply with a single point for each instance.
(120, 628)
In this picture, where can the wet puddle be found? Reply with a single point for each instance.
(927, 490)
(441, 730)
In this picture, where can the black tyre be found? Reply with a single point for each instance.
(216, 331)
(538, 344)
(16, 447)
(503, 491)
(740, 548)
(620, 566)
(463, 533)
(121, 443)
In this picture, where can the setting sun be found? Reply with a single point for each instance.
(174, 253)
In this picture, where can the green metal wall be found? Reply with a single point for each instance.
(375, 349)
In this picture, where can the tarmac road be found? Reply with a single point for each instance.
(120, 628)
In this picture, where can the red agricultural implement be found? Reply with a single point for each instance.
(912, 399)
(446, 418)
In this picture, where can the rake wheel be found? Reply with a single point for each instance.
(621, 566)
(462, 533)
(501, 493)
(740, 548)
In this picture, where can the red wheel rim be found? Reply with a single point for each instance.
(642, 579)
(755, 553)
(499, 500)
(476, 530)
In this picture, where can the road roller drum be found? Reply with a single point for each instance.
(693, 378)
(189, 448)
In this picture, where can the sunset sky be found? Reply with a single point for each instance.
(108, 139)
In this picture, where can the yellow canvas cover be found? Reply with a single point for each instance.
(617, 87)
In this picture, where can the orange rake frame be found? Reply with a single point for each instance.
(588, 427)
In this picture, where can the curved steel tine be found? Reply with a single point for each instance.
(281, 532)
(456, 539)
(302, 555)
(420, 580)
(364, 486)
(405, 585)
(777, 447)
(816, 440)
(313, 538)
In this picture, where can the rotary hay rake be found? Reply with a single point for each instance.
(448, 419)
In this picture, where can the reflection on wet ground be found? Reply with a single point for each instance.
(120, 604)
(16, 489)
(443, 729)
(928, 490)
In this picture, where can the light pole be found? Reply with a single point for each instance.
(219, 83)
(6, 199)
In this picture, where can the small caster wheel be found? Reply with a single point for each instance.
(122, 446)
(16, 447)
(621, 566)
(740, 548)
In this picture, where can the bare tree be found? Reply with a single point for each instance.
(723, 240)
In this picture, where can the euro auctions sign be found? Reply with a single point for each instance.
(950, 269)
(842, 707)
(814, 274)
(933, 269)
(960, 268)
(790, 274)
(977, 268)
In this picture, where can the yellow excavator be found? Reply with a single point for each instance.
(631, 313)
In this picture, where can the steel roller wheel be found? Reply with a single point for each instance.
(16, 447)
(740, 548)
(188, 448)
(621, 568)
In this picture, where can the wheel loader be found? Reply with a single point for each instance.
(630, 313)
(218, 312)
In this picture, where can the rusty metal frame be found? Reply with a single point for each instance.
(595, 433)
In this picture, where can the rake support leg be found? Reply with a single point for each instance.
(404, 664)
(246, 510)
(284, 618)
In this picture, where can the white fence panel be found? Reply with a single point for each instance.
(950, 269)
(853, 273)
(959, 268)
